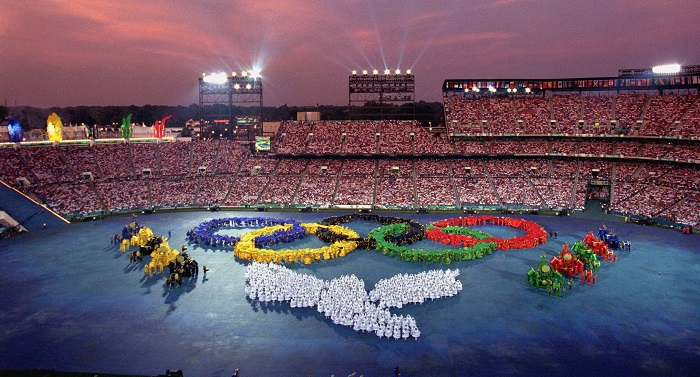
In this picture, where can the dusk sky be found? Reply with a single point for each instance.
(107, 52)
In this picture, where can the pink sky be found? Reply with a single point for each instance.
(87, 52)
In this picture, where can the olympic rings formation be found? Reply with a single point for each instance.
(415, 231)
(445, 232)
(246, 248)
(389, 239)
(204, 232)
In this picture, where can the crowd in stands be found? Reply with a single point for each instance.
(123, 194)
(630, 113)
(173, 191)
(354, 191)
(316, 190)
(235, 176)
(113, 160)
(327, 138)
(204, 155)
(395, 192)
(280, 189)
(567, 112)
(80, 159)
(360, 138)
(174, 158)
(395, 167)
(46, 164)
(293, 137)
(70, 199)
(246, 190)
(564, 168)
(435, 191)
(432, 167)
(690, 122)
(596, 148)
(598, 112)
(685, 153)
(628, 110)
(534, 116)
(476, 191)
(145, 156)
(291, 166)
(663, 111)
(213, 190)
(554, 191)
(324, 166)
(229, 158)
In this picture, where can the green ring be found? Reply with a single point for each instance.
(445, 256)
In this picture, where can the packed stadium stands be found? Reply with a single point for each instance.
(551, 150)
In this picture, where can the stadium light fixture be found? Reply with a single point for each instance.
(248, 86)
(386, 71)
(667, 68)
(255, 73)
(215, 78)
(244, 73)
(509, 90)
(527, 90)
(466, 90)
(398, 71)
(408, 71)
(375, 72)
(354, 72)
(233, 74)
(364, 71)
(236, 86)
(515, 90)
(492, 89)
(476, 90)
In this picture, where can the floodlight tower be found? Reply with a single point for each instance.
(372, 90)
(219, 93)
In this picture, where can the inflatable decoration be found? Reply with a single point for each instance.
(126, 127)
(544, 276)
(159, 127)
(345, 300)
(567, 263)
(204, 233)
(157, 247)
(586, 255)
(161, 257)
(600, 247)
(415, 231)
(54, 127)
(14, 131)
(247, 247)
(610, 238)
(535, 234)
(383, 235)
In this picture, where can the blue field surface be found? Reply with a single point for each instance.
(72, 302)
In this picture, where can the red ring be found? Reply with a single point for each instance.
(534, 236)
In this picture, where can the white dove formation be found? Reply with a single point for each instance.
(346, 302)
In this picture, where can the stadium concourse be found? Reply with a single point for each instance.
(75, 303)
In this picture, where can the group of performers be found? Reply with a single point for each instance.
(182, 266)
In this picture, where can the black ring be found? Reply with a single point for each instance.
(416, 230)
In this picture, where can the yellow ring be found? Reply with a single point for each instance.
(245, 248)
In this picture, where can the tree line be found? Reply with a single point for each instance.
(35, 118)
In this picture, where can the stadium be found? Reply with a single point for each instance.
(572, 155)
